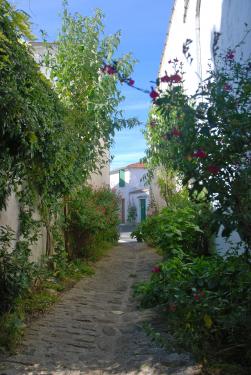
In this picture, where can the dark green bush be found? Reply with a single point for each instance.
(181, 227)
(16, 272)
(207, 301)
(92, 220)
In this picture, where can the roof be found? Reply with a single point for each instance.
(129, 166)
(135, 165)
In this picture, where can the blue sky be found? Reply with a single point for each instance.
(143, 24)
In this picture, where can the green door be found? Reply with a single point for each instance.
(142, 209)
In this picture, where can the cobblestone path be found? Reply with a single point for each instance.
(96, 328)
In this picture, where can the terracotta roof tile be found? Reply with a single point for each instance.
(135, 165)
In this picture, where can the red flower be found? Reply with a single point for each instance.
(131, 82)
(154, 94)
(156, 269)
(176, 132)
(196, 297)
(165, 78)
(109, 69)
(230, 55)
(213, 169)
(200, 154)
(227, 87)
(176, 78)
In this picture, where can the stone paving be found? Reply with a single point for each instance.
(96, 328)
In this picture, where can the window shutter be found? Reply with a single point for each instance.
(121, 178)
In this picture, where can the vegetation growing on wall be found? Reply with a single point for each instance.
(54, 133)
(205, 138)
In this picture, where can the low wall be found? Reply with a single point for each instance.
(10, 217)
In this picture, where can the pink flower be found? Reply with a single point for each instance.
(165, 78)
(202, 293)
(213, 169)
(176, 132)
(227, 87)
(156, 269)
(131, 82)
(109, 70)
(230, 55)
(201, 154)
(154, 94)
(196, 297)
(175, 78)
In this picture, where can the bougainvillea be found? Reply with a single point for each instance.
(206, 138)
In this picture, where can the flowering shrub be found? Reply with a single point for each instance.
(206, 138)
(207, 302)
(93, 218)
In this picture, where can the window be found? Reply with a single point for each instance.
(121, 178)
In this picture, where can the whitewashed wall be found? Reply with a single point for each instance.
(198, 20)
(10, 217)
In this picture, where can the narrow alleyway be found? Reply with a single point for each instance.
(97, 328)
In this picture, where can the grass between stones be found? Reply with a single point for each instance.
(46, 290)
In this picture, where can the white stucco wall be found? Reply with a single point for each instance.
(10, 217)
(198, 22)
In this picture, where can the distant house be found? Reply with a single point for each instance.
(131, 184)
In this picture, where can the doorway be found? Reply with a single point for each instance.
(123, 211)
(142, 209)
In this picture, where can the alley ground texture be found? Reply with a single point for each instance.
(97, 327)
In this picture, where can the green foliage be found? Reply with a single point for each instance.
(205, 138)
(178, 228)
(207, 302)
(12, 328)
(132, 214)
(93, 219)
(30, 111)
(52, 137)
(90, 98)
(16, 272)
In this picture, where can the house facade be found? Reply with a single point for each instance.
(130, 183)
(220, 24)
